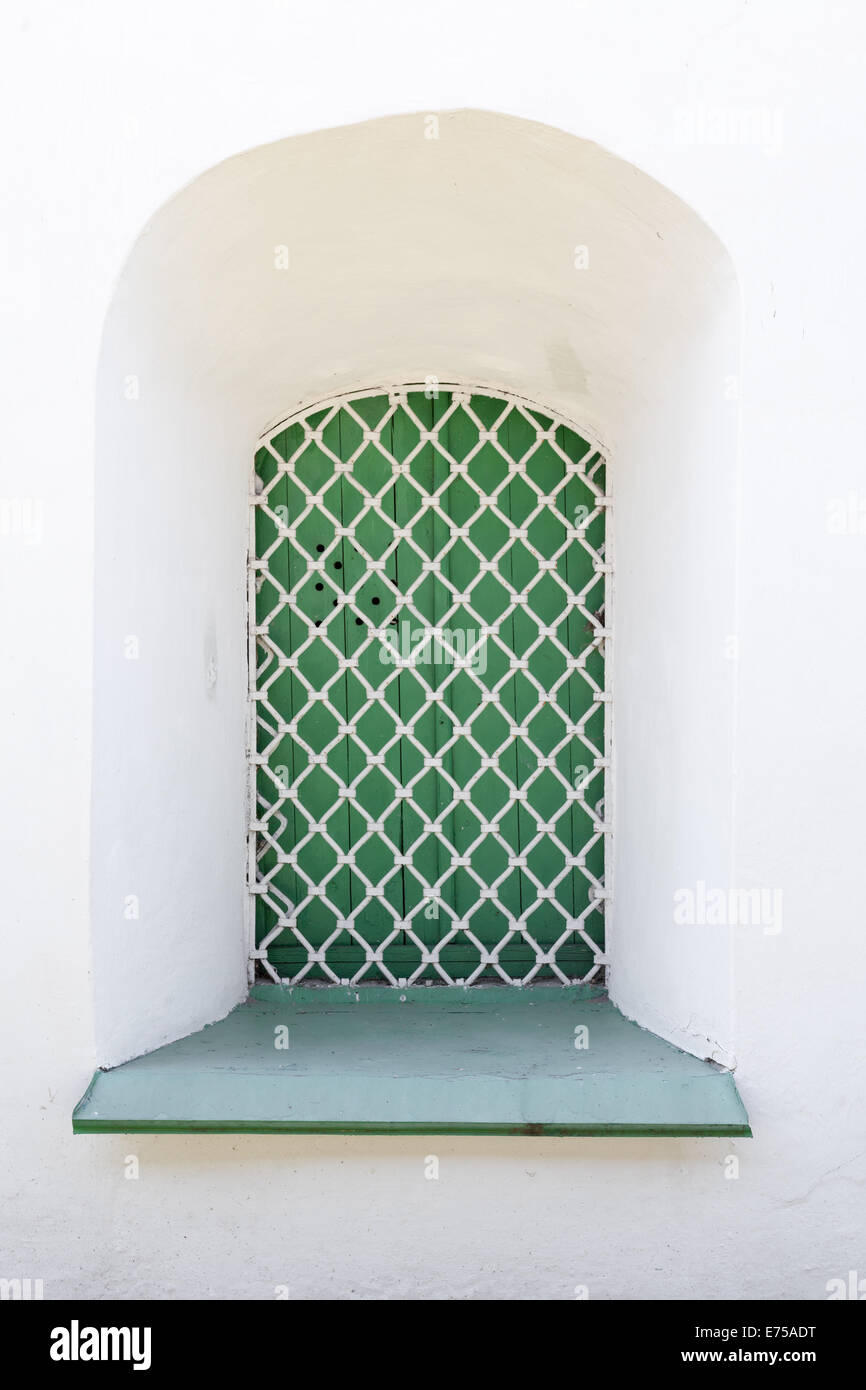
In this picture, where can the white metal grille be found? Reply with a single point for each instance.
(406, 826)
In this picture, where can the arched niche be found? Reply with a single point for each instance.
(501, 253)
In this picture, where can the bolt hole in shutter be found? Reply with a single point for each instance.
(431, 733)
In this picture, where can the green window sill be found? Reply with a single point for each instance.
(486, 1060)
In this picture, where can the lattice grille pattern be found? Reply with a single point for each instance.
(430, 751)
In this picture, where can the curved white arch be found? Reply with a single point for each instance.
(502, 253)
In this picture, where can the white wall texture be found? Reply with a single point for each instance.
(753, 116)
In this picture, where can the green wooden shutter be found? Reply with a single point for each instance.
(417, 819)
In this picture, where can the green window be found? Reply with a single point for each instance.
(429, 610)
(430, 748)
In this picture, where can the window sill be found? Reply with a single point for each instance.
(486, 1060)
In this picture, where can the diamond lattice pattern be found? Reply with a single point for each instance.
(428, 582)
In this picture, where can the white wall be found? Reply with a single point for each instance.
(675, 484)
(105, 117)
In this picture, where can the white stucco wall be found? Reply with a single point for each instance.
(753, 116)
